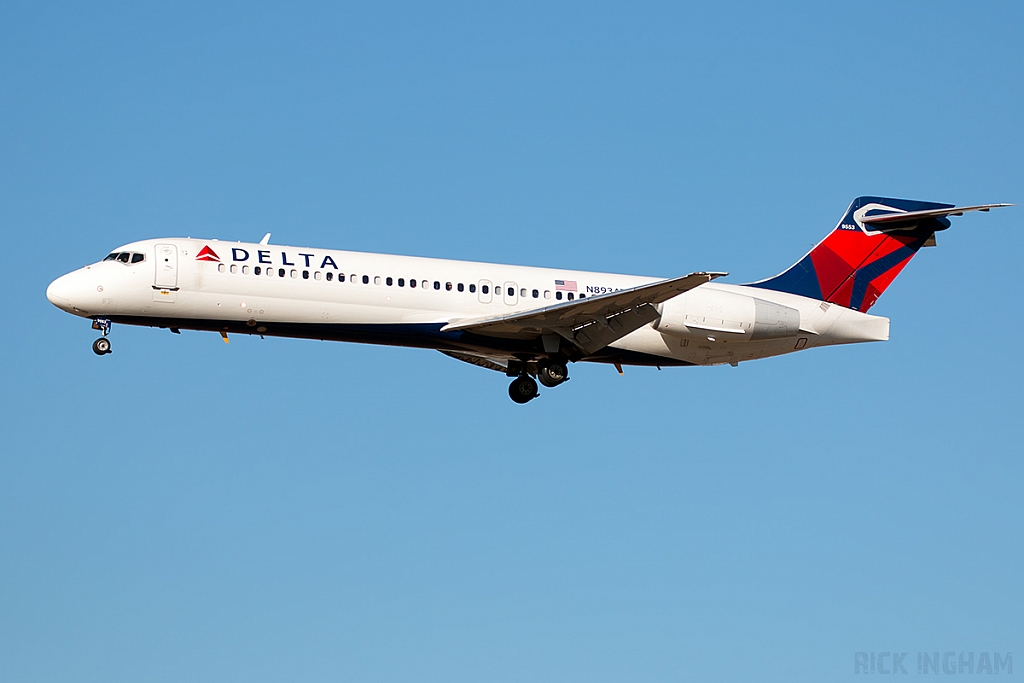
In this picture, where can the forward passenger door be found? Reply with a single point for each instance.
(165, 278)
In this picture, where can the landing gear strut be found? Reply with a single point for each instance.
(523, 389)
(101, 346)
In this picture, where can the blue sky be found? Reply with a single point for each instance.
(298, 510)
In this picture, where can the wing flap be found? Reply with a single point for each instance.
(598, 334)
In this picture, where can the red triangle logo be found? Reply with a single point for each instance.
(207, 254)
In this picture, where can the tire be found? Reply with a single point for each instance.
(553, 374)
(101, 346)
(523, 389)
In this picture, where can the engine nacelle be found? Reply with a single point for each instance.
(702, 313)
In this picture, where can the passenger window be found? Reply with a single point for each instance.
(484, 289)
(341, 277)
(401, 282)
(424, 284)
(353, 278)
(138, 258)
(280, 272)
(305, 275)
(582, 296)
(221, 267)
(245, 270)
(295, 274)
(329, 276)
(389, 281)
(462, 287)
(412, 283)
(511, 291)
(366, 279)
(472, 289)
(558, 295)
(437, 285)
(316, 275)
(233, 269)
(536, 294)
(522, 292)
(124, 257)
(257, 270)
(448, 286)
(547, 293)
(376, 280)
(571, 297)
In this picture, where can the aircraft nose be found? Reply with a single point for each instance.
(59, 292)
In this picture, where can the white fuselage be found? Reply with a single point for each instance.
(351, 296)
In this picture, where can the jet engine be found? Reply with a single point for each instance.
(702, 313)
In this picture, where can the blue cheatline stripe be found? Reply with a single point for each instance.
(415, 335)
(865, 275)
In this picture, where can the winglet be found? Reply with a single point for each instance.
(266, 239)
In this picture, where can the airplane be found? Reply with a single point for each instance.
(523, 322)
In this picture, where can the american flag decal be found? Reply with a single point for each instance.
(565, 285)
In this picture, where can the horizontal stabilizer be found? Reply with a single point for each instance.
(901, 220)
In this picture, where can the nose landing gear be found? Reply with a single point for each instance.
(101, 346)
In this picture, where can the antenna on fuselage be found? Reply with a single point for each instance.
(266, 239)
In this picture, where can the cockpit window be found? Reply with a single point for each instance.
(126, 257)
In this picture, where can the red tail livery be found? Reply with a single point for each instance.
(873, 242)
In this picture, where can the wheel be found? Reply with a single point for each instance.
(101, 346)
(523, 389)
(553, 374)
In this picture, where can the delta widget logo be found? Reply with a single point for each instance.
(207, 254)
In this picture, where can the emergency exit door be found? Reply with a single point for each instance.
(510, 291)
(484, 293)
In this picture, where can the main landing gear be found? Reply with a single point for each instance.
(552, 374)
(523, 389)
(101, 346)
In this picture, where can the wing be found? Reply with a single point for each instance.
(592, 323)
